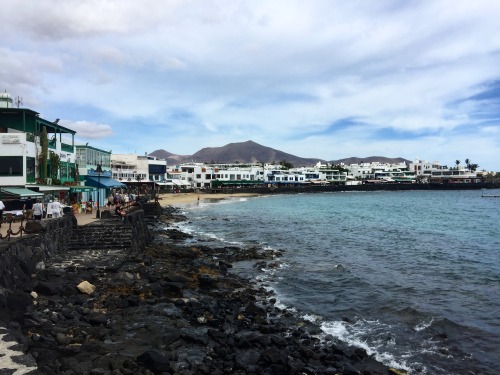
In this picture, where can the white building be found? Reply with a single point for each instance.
(437, 173)
(135, 168)
(21, 163)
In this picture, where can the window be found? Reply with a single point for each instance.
(11, 166)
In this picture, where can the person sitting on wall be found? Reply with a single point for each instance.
(120, 212)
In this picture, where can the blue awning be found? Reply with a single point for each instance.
(104, 182)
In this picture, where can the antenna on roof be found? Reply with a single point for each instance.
(19, 101)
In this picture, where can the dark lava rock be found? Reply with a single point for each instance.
(154, 361)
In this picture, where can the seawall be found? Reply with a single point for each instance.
(20, 257)
(291, 189)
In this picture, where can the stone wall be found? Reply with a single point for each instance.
(290, 189)
(20, 257)
(141, 235)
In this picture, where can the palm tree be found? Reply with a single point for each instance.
(457, 162)
(467, 163)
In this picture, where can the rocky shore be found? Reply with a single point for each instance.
(173, 308)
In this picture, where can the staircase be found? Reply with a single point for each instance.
(105, 245)
(102, 235)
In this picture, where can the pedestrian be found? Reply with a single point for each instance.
(49, 209)
(2, 207)
(38, 210)
(28, 208)
(56, 209)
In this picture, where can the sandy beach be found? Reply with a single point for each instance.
(175, 200)
(185, 199)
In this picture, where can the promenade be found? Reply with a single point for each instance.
(82, 219)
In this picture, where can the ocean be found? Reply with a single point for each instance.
(413, 277)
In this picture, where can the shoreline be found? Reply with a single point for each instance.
(171, 308)
(189, 199)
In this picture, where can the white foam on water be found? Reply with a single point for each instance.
(351, 333)
(312, 318)
(6, 358)
(423, 325)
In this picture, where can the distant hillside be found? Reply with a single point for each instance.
(242, 152)
(251, 152)
(171, 159)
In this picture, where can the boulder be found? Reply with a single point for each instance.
(154, 361)
(33, 226)
(86, 287)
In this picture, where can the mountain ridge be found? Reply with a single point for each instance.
(252, 152)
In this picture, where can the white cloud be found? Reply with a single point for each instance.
(88, 130)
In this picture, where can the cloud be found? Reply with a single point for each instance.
(320, 78)
(88, 130)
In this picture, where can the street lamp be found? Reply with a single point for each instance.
(98, 171)
(138, 178)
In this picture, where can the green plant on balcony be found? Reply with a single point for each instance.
(55, 163)
(44, 153)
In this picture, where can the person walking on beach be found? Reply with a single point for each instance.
(38, 210)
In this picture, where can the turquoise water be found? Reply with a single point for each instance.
(413, 277)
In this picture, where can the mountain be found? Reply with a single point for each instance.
(241, 152)
(171, 158)
(251, 152)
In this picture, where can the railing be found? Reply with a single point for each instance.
(67, 148)
(10, 232)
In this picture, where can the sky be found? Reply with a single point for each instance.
(325, 79)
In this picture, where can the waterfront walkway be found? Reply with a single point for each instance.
(82, 219)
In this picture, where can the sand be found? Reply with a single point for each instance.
(186, 199)
(170, 199)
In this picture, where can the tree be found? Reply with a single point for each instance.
(286, 165)
(457, 162)
(55, 163)
(44, 153)
(467, 163)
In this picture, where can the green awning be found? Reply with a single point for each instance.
(20, 192)
(82, 189)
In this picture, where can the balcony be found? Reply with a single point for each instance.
(67, 148)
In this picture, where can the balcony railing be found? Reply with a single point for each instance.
(67, 148)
